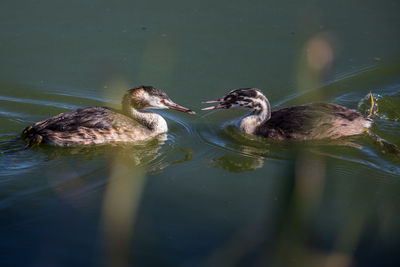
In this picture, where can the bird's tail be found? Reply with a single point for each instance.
(26, 132)
(34, 138)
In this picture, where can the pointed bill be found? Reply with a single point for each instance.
(211, 101)
(219, 106)
(215, 107)
(174, 106)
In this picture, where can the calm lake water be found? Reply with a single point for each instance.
(208, 195)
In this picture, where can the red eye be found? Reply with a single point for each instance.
(162, 101)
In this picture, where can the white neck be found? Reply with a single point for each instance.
(257, 117)
(153, 121)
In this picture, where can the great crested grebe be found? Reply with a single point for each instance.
(305, 122)
(101, 125)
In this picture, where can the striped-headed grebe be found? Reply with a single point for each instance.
(304, 122)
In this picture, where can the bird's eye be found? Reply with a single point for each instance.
(162, 101)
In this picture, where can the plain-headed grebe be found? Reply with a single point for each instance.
(304, 122)
(101, 125)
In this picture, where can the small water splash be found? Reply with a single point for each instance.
(386, 107)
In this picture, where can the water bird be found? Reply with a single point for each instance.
(312, 121)
(101, 125)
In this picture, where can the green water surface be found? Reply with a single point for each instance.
(208, 195)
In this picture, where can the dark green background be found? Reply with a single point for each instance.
(208, 196)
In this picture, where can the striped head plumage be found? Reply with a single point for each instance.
(250, 98)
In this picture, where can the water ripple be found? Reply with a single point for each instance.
(39, 102)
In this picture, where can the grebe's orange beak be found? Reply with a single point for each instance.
(172, 105)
